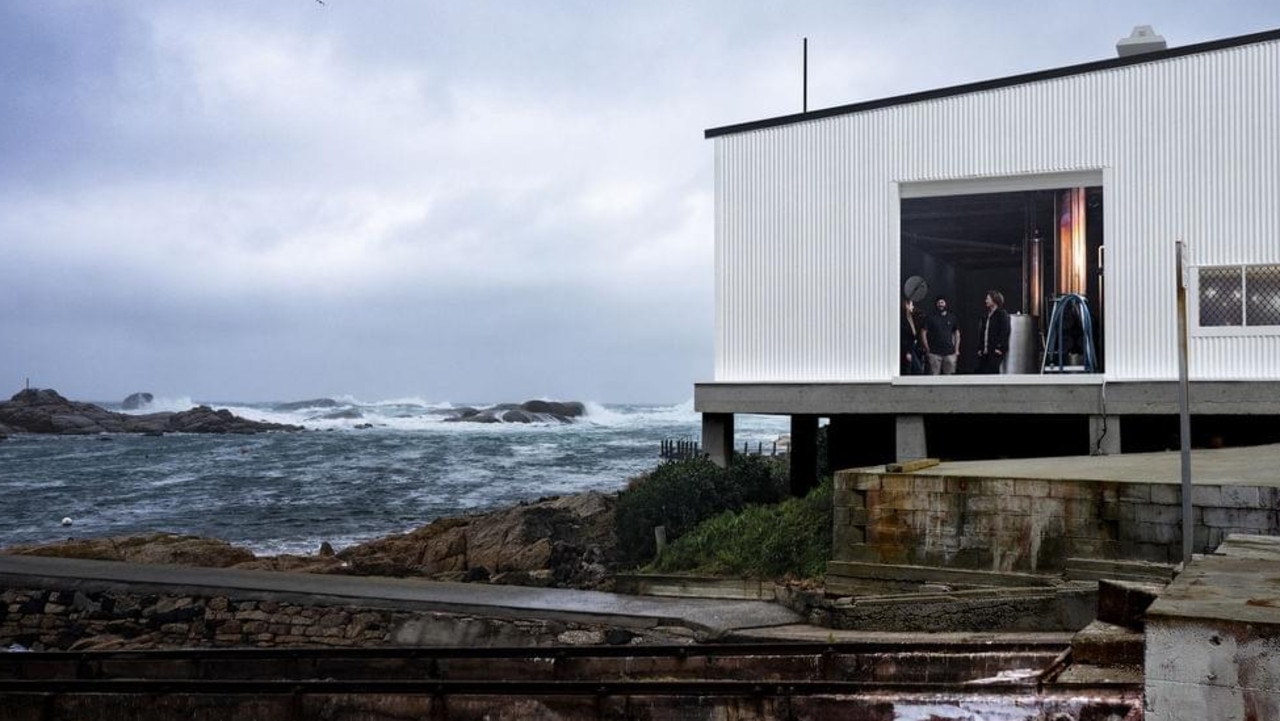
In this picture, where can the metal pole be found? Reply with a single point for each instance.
(804, 102)
(1184, 415)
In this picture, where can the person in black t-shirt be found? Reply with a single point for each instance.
(941, 339)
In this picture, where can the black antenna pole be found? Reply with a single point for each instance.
(804, 103)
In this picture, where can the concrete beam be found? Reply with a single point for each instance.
(1079, 395)
(717, 437)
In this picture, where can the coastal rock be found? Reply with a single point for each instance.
(203, 419)
(37, 410)
(572, 537)
(148, 548)
(570, 409)
(137, 400)
(564, 541)
(527, 412)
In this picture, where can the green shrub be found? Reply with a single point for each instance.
(792, 538)
(681, 494)
(756, 479)
(677, 495)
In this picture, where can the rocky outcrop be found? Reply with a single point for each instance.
(203, 419)
(527, 412)
(563, 541)
(45, 411)
(136, 401)
(148, 548)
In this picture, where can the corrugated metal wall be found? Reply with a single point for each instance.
(807, 246)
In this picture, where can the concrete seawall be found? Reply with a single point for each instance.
(1031, 516)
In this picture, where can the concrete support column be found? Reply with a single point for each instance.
(804, 454)
(717, 437)
(910, 441)
(1106, 429)
(843, 443)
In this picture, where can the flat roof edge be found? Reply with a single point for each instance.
(982, 85)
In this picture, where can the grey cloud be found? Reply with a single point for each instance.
(482, 200)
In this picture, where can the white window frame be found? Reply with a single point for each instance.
(1225, 331)
(904, 189)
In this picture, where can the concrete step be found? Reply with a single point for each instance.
(1106, 644)
(1125, 603)
(1088, 675)
(993, 609)
(846, 578)
(648, 584)
(1093, 569)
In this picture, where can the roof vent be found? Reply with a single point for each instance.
(1142, 40)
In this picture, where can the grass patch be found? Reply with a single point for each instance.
(791, 538)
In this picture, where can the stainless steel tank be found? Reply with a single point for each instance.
(1023, 344)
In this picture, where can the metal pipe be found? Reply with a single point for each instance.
(1037, 287)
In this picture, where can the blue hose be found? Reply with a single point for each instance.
(1054, 345)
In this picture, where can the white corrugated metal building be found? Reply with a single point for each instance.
(822, 216)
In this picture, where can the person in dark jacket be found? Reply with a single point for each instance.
(910, 355)
(993, 334)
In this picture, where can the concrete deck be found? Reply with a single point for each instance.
(1238, 584)
(1248, 466)
(710, 616)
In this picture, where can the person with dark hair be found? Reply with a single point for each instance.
(941, 339)
(910, 355)
(993, 334)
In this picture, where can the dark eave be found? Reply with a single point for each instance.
(954, 90)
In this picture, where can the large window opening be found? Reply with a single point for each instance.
(1020, 277)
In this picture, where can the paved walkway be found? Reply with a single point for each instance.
(717, 617)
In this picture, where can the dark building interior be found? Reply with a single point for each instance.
(1033, 246)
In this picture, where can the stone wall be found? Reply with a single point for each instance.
(1032, 525)
(41, 619)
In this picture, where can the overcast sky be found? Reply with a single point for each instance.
(466, 201)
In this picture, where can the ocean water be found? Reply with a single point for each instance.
(288, 492)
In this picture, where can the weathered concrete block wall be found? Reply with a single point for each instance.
(43, 619)
(1032, 525)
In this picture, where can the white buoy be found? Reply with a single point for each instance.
(66, 521)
